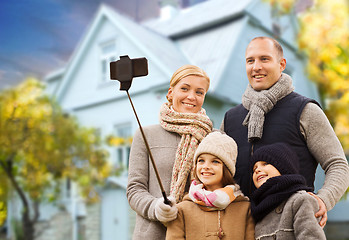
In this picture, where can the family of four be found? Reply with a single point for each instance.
(253, 178)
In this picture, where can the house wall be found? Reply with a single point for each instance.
(234, 80)
(115, 215)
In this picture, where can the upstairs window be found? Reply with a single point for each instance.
(108, 54)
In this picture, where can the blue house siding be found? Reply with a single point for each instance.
(115, 213)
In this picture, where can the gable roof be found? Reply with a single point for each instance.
(201, 16)
(150, 42)
(212, 49)
(207, 33)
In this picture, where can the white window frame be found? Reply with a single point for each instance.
(107, 56)
(123, 151)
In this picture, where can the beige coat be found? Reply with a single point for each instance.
(143, 188)
(193, 223)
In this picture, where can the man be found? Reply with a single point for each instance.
(272, 112)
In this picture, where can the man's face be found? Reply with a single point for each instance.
(263, 64)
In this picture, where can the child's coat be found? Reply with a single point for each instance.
(293, 219)
(193, 223)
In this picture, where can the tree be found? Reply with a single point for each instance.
(41, 145)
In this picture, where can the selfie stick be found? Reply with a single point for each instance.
(124, 70)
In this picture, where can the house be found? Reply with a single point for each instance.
(212, 35)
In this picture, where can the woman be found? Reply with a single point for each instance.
(183, 124)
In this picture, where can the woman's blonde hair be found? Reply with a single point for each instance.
(185, 71)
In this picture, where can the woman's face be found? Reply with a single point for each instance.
(188, 94)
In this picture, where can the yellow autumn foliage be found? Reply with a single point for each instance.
(324, 36)
(118, 141)
(3, 213)
(40, 145)
(3, 207)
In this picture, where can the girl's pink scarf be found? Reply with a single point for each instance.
(218, 199)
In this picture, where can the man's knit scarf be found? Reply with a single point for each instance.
(218, 199)
(193, 127)
(275, 191)
(261, 102)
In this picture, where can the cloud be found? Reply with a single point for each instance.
(9, 79)
(2, 73)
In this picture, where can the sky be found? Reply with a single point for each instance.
(39, 36)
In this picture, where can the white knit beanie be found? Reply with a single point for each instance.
(220, 145)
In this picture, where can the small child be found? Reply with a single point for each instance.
(215, 208)
(280, 205)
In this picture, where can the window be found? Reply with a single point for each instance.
(123, 131)
(108, 54)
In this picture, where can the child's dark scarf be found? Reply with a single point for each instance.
(273, 192)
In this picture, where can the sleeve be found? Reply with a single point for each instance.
(249, 235)
(176, 228)
(306, 226)
(139, 198)
(325, 147)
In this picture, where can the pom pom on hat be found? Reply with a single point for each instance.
(220, 145)
(280, 155)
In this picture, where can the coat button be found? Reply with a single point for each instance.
(278, 209)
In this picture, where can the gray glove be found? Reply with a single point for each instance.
(164, 212)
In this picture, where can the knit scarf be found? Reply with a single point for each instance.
(259, 103)
(273, 192)
(192, 127)
(218, 199)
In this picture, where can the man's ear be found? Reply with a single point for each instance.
(282, 64)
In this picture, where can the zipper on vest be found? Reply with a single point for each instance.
(251, 173)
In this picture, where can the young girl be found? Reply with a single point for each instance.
(215, 208)
(281, 206)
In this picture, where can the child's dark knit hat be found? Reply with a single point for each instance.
(280, 155)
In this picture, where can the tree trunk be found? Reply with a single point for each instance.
(27, 223)
(28, 226)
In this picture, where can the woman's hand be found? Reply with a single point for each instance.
(166, 213)
(322, 210)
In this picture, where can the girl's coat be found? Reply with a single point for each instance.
(193, 223)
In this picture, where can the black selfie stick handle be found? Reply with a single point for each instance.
(166, 201)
